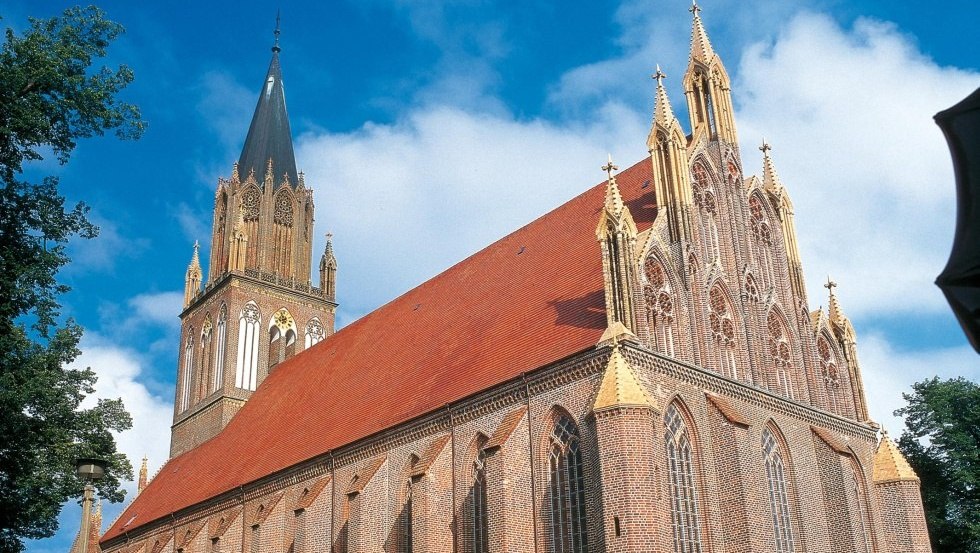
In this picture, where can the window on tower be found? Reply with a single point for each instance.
(247, 364)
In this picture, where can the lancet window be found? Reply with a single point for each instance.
(778, 493)
(660, 307)
(780, 353)
(830, 371)
(733, 173)
(704, 198)
(247, 364)
(282, 236)
(569, 532)
(207, 358)
(762, 232)
(722, 331)
(185, 386)
(314, 332)
(684, 516)
(221, 346)
(251, 200)
(751, 288)
(859, 505)
(479, 515)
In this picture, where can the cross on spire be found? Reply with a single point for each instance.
(609, 167)
(765, 148)
(695, 8)
(830, 285)
(659, 75)
(275, 47)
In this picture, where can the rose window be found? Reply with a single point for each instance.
(284, 210)
(250, 204)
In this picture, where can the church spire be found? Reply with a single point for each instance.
(192, 281)
(269, 137)
(616, 233)
(701, 49)
(707, 87)
(770, 179)
(328, 270)
(144, 474)
(668, 154)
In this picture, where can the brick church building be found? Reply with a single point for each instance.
(638, 370)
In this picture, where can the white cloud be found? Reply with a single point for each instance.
(160, 308)
(122, 373)
(888, 372)
(100, 254)
(854, 141)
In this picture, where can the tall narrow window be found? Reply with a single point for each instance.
(859, 506)
(722, 331)
(207, 359)
(247, 365)
(704, 198)
(314, 332)
(780, 353)
(660, 307)
(282, 232)
(831, 374)
(683, 484)
(762, 233)
(569, 532)
(222, 341)
(778, 493)
(185, 388)
(251, 201)
(481, 527)
(407, 530)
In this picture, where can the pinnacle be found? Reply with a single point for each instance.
(834, 312)
(662, 112)
(770, 179)
(614, 200)
(701, 49)
(890, 465)
(619, 387)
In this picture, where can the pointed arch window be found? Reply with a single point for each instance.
(684, 515)
(859, 506)
(704, 198)
(778, 493)
(722, 331)
(830, 370)
(314, 332)
(247, 364)
(207, 359)
(660, 307)
(185, 388)
(569, 532)
(751, 288)
(762, 232)
(780, 353)
(221, 345)
(479, 515)
(282, 336)
(282, 234)
(733, 173)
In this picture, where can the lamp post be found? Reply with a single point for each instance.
(88, 470)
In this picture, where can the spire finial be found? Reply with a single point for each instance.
(275, 47)
(609, 167)
(659, 76)
(695, 8)
(830, 285)
(765, 148)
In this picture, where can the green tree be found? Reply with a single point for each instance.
(942, 443)
(50, 96)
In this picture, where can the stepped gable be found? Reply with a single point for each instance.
(529, 299)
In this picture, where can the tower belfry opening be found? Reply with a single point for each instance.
(259, 305)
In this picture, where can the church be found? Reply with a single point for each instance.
(638, 370)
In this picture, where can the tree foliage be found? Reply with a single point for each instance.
(50, 96)
(942, 443)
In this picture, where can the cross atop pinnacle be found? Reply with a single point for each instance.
(830, 285)
(275, 47)
(695, 8)
(765, 148)
(659, 76)
(609, 168)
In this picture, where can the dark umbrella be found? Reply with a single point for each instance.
(960, 280)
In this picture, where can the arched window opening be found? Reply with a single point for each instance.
(222, 342)
(221, 244)
(780, 352)
(660, 307)
(314, 332)
(684, 516)
(778, 493)
(282, 337)
(185, 387)
(251, 200)
(247, 364)
(733, 173)
(751, 288)
(704, 195)
(762, 232)
(282, 235)
(569, 531)
(479, 514)
(831, 374)
(722, 331)
(207, 359)
(859, 506)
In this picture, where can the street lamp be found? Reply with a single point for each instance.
(88, 470)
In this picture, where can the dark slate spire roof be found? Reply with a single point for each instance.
(269, 135)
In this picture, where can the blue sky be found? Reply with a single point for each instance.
(451, 124)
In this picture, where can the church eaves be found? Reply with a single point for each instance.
(269, 136)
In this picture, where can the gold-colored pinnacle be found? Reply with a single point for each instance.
(619, 386)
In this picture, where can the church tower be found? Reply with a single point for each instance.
(258, 305)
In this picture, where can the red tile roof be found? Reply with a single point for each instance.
(531, 298)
